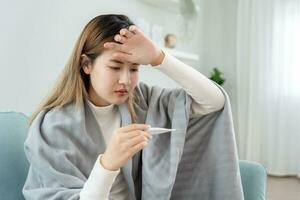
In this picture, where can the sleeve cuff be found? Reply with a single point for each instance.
(104, 171)
(165, 62)
(99, 182)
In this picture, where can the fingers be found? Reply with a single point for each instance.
(133, 127)
(120, 38)
(123, 56)
(114, 46)
(124, 35)
(120, 53)
(136, 140)
(135, 30)
(125, 32)
(138, 147)
(132, 134)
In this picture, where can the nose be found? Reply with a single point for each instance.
(125, 77)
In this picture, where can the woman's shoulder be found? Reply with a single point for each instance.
(147, 92)
(65, 116)
(55, 129)
(56, 126)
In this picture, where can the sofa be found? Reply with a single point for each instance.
(14, 165)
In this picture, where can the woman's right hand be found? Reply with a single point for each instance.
(125, 142)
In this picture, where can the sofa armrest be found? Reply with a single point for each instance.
(254, 178)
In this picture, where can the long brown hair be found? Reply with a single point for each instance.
(72, 84)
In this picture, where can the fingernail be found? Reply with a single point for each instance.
(148, 126)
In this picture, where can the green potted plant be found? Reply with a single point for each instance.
(216, 76)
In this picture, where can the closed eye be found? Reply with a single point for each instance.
(118, 68)
(115, 68)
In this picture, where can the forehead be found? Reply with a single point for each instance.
(107, 56)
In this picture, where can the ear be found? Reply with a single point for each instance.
(85, 64)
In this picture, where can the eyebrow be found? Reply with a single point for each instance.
(120, 62)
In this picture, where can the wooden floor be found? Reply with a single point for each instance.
(286, 188)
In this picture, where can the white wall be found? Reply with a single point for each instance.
(37, 37)
(217, 43)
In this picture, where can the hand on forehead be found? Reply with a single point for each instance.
(131, 45)
(123, 35)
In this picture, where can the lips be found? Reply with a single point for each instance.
(122, 90)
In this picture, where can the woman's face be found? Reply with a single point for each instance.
(111, 80)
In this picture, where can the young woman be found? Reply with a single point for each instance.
(80, 137)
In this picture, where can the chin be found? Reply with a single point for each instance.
(119, 101)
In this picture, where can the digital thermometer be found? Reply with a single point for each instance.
(156, 131)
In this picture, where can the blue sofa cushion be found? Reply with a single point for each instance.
(13, 165)
(254, 178)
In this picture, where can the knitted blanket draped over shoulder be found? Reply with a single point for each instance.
(197, 161)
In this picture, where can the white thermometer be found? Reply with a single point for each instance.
(156, 131)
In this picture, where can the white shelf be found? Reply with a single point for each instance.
(182, 55)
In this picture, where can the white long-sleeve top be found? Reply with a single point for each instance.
(104, 184)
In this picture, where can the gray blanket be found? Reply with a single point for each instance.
(198, 161)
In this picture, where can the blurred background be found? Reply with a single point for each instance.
(254, 45)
